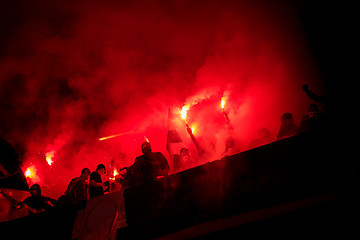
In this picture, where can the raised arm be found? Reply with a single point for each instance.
(200, 150)
(314, 96)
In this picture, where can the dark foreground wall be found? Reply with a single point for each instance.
(292, 169)
(56, 223)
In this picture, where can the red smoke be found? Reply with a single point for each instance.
(73, 72)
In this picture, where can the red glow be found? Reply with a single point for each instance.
(242, 60)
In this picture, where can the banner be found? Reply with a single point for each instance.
(101, 218)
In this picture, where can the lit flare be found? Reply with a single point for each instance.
(115, 173)
(31, 175)
(49, 157)
(223, 102)
(193, 128)
(184, 111)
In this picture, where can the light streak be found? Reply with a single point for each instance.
(113, 136)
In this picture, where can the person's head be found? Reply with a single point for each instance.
(313, 111)
(101, 169)
(35, 190)
(145, 148)
(287, 119)
(184, 154)
(85, 173)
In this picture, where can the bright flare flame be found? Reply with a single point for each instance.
(146, 139)
(193, 128)
(115, 173)
(31, 176)
(184, 111)
(28, 173)
(223, 102)
(49, 157)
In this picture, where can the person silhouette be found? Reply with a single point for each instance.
(313, 121)
(149, 166)
(96, 184)
(287, 127)
(37, 202)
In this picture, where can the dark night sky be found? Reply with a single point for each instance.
(74, 71)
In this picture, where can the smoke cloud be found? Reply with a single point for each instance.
(75, 71)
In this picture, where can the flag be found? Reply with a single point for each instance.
(11, 175)
(174, 141)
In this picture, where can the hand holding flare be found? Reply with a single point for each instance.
(222, 104)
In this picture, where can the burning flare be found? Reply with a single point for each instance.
(49, 157)
(30, 174)
(146, 139)
(223, 102)
(184, 111)
(193, 128)
(115, 173)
